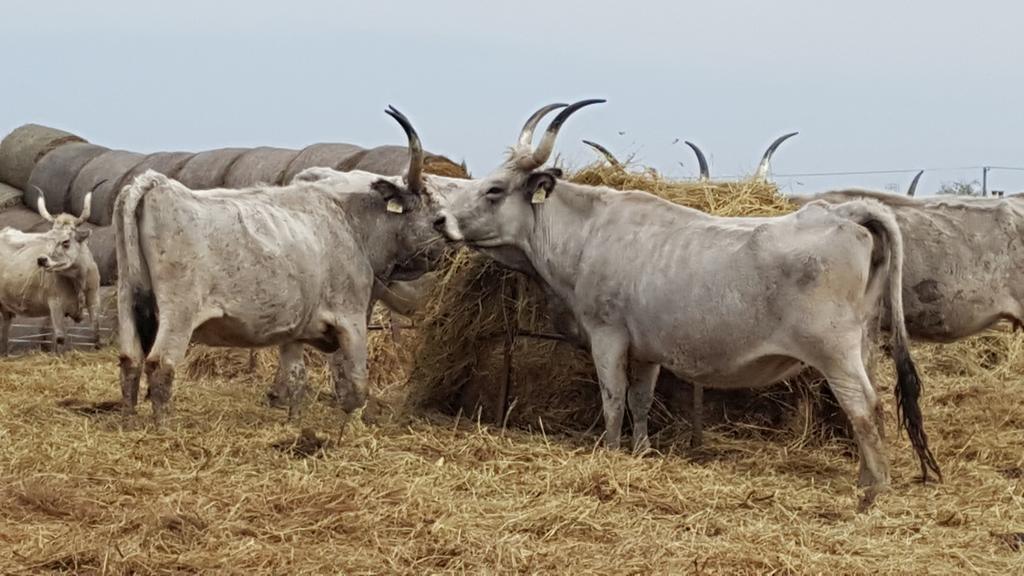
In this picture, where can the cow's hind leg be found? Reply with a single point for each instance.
(5, 332)
(169, 348)
(131, 353)
(348, 365)
(610, 350)
(850, 383)
(641, 396)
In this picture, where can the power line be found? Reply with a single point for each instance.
(895, 171)
(849, 173)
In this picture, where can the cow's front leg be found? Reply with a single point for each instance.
(5, 332)
(56, 306)
(292, 371)
(278, 392)
(610, 348)
(92, 303)
(348, 365)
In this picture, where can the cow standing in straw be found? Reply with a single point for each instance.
(728, 302)
(964, 265)
(48, 274)
(264, 266)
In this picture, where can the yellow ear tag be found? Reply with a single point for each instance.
(539, 196)
(395, 207)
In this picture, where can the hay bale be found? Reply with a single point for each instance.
(166, 163)
(391, 160)
(384, 160)
(461, 362)
(325, 154)
(9, 196)
(260, 165)
(55, 173)
(208, 169)
(102, 244)
(21, 218)
(110, 167)
(24, 147)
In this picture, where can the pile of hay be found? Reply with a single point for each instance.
(482, 313)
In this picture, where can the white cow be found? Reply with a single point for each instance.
(264, 266)
(48, 274)
(727, 302)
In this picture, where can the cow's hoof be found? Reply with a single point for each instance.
(871, 494)
(350, 404)
(275, 400)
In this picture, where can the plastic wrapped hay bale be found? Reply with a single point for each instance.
(24, 147)
(56, 172)
(264, 165)
(101, 177)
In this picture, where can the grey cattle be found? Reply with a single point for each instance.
(263, 266)
(728, 302)
(964, 264)
(48, 274)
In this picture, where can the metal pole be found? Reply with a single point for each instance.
(984, 180)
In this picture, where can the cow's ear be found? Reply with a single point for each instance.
(397, 199)
(82, 234)
(542, 183)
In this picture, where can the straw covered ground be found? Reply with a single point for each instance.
(232, 487)
(228, 489)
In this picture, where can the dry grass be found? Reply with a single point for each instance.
(86, 491)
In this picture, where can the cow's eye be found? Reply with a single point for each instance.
(495, 191)
(66, 244)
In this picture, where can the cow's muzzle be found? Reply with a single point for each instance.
(446, 227)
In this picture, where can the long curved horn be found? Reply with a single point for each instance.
(414, 177)
(526, 134)
(87, 208)
(762, 168)
(604, 152)
(543, 151)
(41, 205)
(705, 174)
(913, 184)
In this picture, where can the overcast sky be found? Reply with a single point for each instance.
(870, 85)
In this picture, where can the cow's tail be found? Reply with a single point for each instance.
(136, 301)
(881, 222)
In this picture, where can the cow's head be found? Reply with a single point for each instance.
(61, 248)
(416, 206)
(64, 243)
(497, 210)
